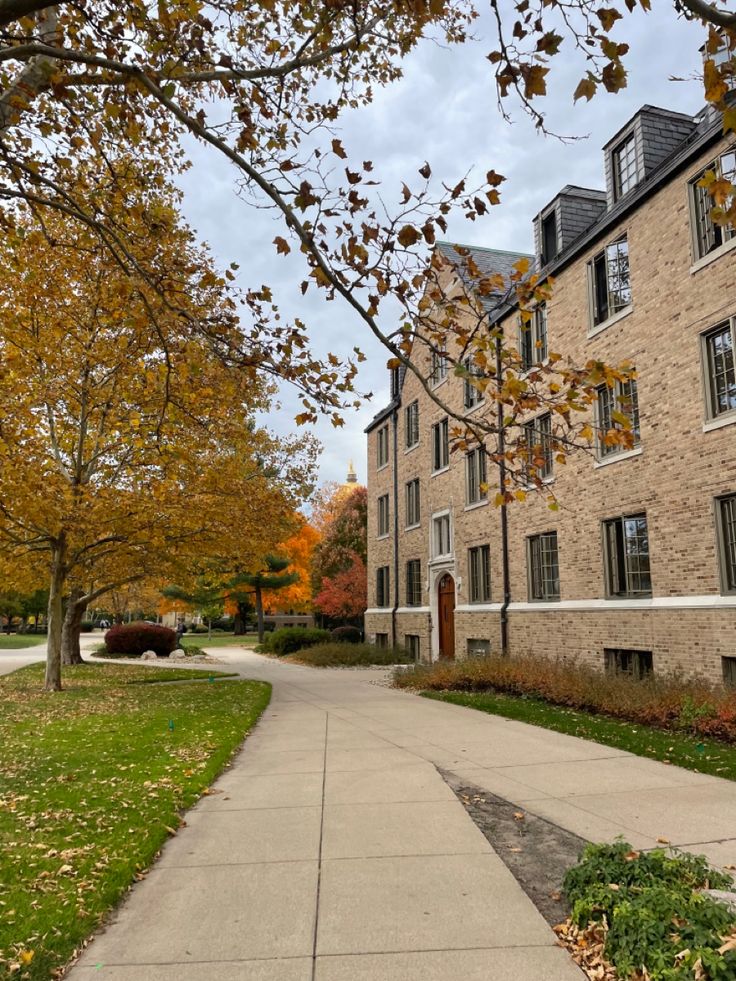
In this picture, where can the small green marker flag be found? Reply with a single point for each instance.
(700, 748)
(171, 725)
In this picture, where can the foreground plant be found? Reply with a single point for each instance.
(645, 914)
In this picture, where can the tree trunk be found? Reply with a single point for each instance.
(259, 611)
(71, 629)
(56, 615)
(240, 625)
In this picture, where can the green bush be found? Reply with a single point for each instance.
(347, 635)
(337, 654)
(87, 626)
(656, 919)
(286, 640)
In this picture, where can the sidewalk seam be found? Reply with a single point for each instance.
(319, 851)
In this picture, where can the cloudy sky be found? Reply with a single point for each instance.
(444, 111)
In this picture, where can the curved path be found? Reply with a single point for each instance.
(334, 851)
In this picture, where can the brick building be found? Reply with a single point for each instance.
(637, 570)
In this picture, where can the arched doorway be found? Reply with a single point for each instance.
(446, 616)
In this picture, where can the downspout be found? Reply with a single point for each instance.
(504, 511)
(395, 422)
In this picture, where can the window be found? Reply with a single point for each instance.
(440, 445)
(726, 515)
(411, 642)
(382, 447)
(381, 640)
(637, 664)
(537, 442)
(533, 338)
(549, 237)
(625, 171)
(477, 647)
(728, 666)
(382, 586)
(720, 371)
(626, 546)
(612, 404)
(544, 567)
(413, 513)
(383, 515)
(479, 574)
(411, 424)
(438, 364)
(707, 235)
(395, 382)
(414, 582)
(472, 395)
(609, 281)
(475, 476)
(441, 536)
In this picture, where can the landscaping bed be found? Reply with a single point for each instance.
(92, 782)
(340, 654)
(671, 703)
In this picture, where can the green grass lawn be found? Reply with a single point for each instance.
(92, 780)
(219, 640)
(14, 642)
(704, 756)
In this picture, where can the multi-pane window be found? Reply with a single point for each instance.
(382, 446)
(478, 647)
(382, 586)
(616, 404)
(475, 476)
(479, 574)
(414, 582)
(438, 371)
(625, 170)
(411, 425)
(637, 664)
(719, 346)
(549, 237)
(726, 514)
(413, 511)
(383, 515)
(440, 445)
(707, 235)
(441, 535)
(472, 395)
(544, 567)
(610, 281)
(626, 545)
(381, 640)
(537, 444)
(412, 644)
(728, 666)
(533, 338)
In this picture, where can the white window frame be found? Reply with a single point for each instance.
(616, 172)
(711, 415)
(438, 365)
(437, 518)
(536, 578)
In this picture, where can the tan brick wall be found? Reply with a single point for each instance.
(679, 471)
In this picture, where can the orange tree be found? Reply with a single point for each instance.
(339, 561)
(127, 443)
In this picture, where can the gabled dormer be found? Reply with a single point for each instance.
(564, 219)
(641, 146)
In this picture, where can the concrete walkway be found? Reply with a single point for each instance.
(334, 851)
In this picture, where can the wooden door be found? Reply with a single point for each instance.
(446, 614)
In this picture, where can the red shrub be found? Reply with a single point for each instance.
(135, 639)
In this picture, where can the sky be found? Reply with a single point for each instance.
(444, 111)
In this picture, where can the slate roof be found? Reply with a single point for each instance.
(487, 260)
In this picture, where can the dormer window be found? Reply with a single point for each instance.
(625, 169)
(549, 237)
(394, 383)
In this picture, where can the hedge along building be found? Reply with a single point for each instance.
(637, 570)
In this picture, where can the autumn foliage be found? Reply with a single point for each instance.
(344, 595)
(667, 703)
(339, 562)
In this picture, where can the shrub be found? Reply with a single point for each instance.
(651, 914)
(664, 702)
(347, 635)
(199, 628)
(133, 639)
(337, 654)
(286, 640)
(87, 626)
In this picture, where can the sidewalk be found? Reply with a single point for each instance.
(334, 850)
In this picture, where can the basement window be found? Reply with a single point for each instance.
(621, 660)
